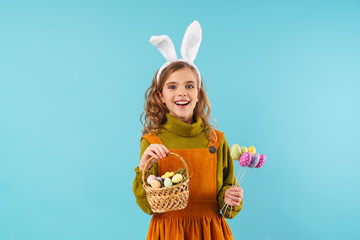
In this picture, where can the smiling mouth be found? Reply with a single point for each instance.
(182, 103)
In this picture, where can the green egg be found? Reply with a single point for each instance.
(243, 149)
(168, 182)
(235, 152)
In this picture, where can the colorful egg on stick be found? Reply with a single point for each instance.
(261, 161)
(235, 152)
(243, 150)
(245, 159)
(252, 150)
(255, 158)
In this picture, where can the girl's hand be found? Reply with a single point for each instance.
(156, 151)
(233, 196)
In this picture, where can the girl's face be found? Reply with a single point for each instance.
(180, 94)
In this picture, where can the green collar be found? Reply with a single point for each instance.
(183, 129)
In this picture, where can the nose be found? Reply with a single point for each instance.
(182, 92)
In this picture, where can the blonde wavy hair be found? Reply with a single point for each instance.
(155, 111)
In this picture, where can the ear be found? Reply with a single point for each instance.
(198, 96)
(161, 97)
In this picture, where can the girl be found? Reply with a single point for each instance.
(177, 120)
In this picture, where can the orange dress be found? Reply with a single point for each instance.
(201, 219)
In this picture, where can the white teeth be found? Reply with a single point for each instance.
(181, 103)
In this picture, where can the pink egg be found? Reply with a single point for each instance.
(261, 161)
(150, 178)
(245, 159)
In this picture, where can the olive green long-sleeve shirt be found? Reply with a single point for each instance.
(176, 134)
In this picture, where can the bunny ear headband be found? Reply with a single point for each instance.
(189, 47)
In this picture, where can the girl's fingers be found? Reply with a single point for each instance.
(235, 194)
(155, 157)
(232, 202)
(165, 149)
(152, 161)
(161, 150)
(157, 152)
(237, 199)
(236, 190)
(235, 202)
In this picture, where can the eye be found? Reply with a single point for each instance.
(190, 86)
(171, 87)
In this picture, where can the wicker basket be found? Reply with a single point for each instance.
(167, 199)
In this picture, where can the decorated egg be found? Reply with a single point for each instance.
(252, 150)
(177, 178)
(261, 161)
(150, 178)
(155, 184)
(243, 150)
(168, 182)
(159, 179)
(235, 152)
(166, 175)
(255, 158)
(245, 159)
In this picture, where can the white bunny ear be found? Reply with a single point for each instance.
(191, 41)
(164, 44)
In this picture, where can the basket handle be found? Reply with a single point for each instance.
(170, 153)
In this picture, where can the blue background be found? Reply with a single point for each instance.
(281, 75)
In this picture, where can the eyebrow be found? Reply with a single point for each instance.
(177, 83)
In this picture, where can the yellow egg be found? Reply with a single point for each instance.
(176, 178)
(167, 175)
(252, 150)
(155, 184)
